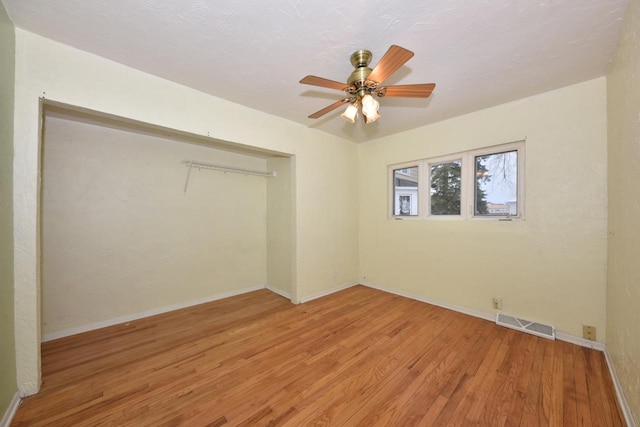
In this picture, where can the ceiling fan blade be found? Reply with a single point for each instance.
(407, 91)
(395, 58)
(319, 81)
(331, 107)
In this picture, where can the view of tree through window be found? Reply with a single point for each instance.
(496, 188)
(445, 179)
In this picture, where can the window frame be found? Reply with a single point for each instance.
(392, 190)
(467, 188)
(463, 190)
(519, 147)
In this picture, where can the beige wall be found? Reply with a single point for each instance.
(325, 176)
(623, 292)
(550, 267)
(7, 349)
(120, 236)
(280, 227)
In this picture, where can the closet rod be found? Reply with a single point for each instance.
(200, 165)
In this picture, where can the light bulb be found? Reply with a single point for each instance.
(350, 114)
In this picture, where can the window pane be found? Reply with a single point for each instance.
(496, 189)
(445, 180)
(405, 191)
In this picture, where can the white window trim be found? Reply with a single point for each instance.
(467, 190)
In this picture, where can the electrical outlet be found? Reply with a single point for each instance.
(335, 274)
(589, 332)
(497, 303)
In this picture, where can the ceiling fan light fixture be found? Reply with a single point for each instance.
(370, 109)
(351, 113)
(368, 103)
(364, 81)
(371, 118)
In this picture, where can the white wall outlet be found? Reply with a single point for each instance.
(497, 303)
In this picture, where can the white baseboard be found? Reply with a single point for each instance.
(622, 400)
(457, 308)
(11, 411)
(327, 292)
(562, 336)
(280, 292)
(123, 319)
(486, 316)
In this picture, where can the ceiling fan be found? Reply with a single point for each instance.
(365, 82)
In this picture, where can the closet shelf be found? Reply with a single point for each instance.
(200, 165)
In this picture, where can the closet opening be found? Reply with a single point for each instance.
(138, 219)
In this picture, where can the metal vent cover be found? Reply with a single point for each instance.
(535, 328)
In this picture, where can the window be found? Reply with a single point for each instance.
(445, 181)
(484, 183)
(496, 187)
(405, 191)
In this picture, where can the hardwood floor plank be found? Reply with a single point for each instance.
(556, 415)
(357, 357)
(526, 353)
(582, 392)
(503, 392)
(404, 399)
(485, 379)
(546, 384)
(236, 379)
(373, 373)
(333, 365)
(597, 406)
(570, 408)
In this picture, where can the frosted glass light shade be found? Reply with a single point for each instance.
(371, 118)
(370, 109)
(350, 114)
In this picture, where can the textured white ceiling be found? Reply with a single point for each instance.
(479, 52)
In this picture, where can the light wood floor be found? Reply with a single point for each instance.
(358, 357)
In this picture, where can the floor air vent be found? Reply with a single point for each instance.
(539, 329)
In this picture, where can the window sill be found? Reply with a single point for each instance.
(455, 218)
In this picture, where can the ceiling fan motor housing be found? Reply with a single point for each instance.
(360, 59)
